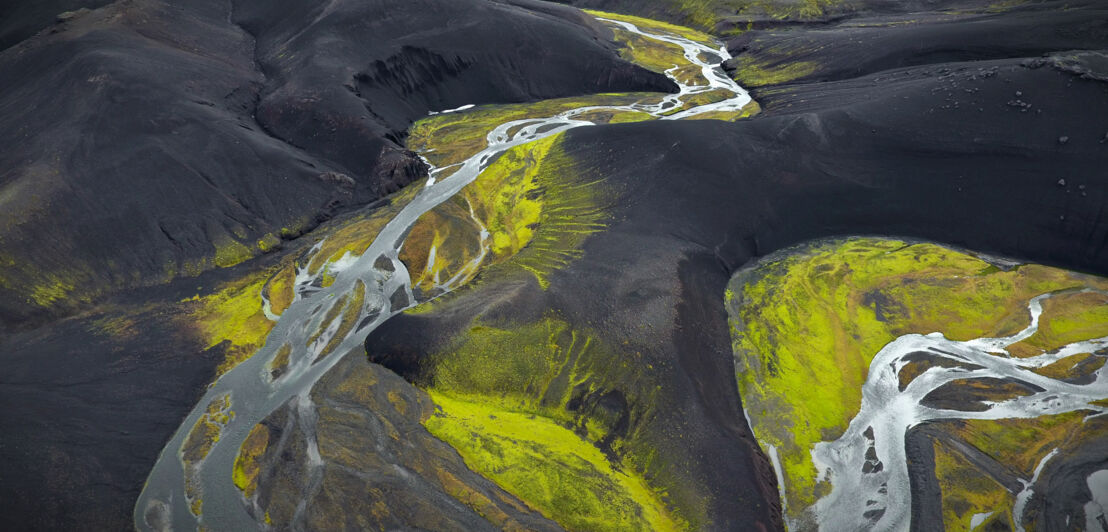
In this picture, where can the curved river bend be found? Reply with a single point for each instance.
(375, 275)
(880, 498)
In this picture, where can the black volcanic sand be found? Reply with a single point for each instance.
(135, 129)
(869, 44)
(934, 152)
(146, 141)
(89, 401)
(142, 137)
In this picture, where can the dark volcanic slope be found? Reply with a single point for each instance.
(19, 20)
(935, 152)
(147, 140)
(872, 44)
(728, 17)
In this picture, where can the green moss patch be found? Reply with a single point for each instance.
(659, 27)
(806, 325)
(755, 72)
(535, 210)
(528, 405)
(550, 467)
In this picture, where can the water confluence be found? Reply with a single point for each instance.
(304, 329)
(867, 466)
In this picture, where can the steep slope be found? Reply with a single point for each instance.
(686, 204)
(148, 143)
(141, 174)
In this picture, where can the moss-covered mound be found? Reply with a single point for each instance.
(807, 323)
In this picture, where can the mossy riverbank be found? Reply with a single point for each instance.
(807, 323)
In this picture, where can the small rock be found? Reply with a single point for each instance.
(1063, 139)
(1061, 182)
(1019, 93)
(67, 16)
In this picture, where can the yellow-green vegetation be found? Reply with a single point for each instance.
(451, 138)
(651, 54)
(1078, 365)
(1020, 443)
(229, 252)
(535, 212)
(279, 288)
(1001, 6)
(444, 242)
(806, 326)
(656, 55)
(45, 294)
(247, 468)
(534, 368)
(547, 441)
(606, 116)
(967, 491)
(549, 466)
(355, 234)
(47, 289)
(280, 362)
(232, 314)
(208, 429)
(707, 15)
(1067, 319)
(700, 98)
(747, 111)
(691, 74)
(347, 311)
(659, 27)
(754, 72)
(205, 433)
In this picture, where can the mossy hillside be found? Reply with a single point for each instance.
(451, 138)
(966, 491)
(550, 467)
(751, 71)
(700, 98)
(806, 326)
(567, 380)
(231, 314)
(660, 27)
(747, 111)
(652, 54)
(535, 209)
(55, 289)
(538, 368)
(441, 244)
